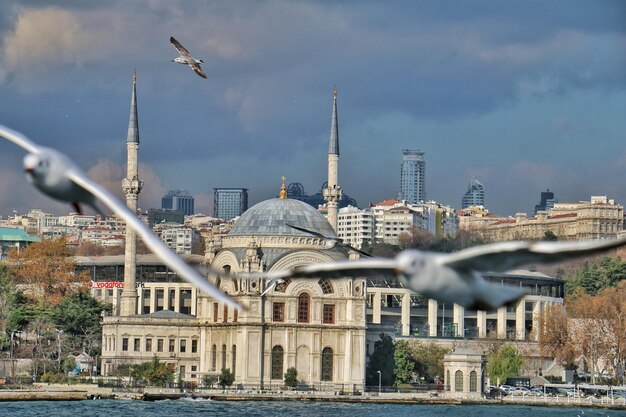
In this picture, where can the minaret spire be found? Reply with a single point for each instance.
(333, 193)
(132, 186)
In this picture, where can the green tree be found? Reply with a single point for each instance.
(291, 377)
(209, 380)
(549, 236)
(226, 378)
(503, 363)
(153, 372)
(404, 362)
(595, 276)
(382, 360)
(428, 360)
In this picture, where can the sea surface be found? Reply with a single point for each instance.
(188, 408)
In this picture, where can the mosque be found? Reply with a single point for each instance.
(324, 328)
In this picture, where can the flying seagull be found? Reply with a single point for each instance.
(186, 58)
(271, 284)
(330, 242)
(454, 277)
(55, 175)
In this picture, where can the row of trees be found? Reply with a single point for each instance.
(589, 330)
(46, 311)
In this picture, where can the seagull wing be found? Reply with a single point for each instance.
(152, 242)
(272, 283)
(503, 256)
(196, 68)
(180, 48)
(19, 139)
(310, 232)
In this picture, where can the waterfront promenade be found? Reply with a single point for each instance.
(60, 392)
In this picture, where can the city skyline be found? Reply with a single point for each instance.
(523, 96)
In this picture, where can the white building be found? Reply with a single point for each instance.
(355, 226)
(179, 239)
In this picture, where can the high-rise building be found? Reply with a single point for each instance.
(179, 200)
(412, 176)
(547, 201)
(474, 196)
(229, 202)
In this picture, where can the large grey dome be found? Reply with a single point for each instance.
(270, 217)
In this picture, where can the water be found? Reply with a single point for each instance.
(188, 408)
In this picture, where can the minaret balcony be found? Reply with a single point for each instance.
(332, 194)
(132, 186)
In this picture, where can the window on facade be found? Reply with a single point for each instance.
(194, 346)
(137, 344)
(185, 301)
(159, 301)
(473, 382)
(225, 314)
(303, 308)
(215, 311)
(329, 314)
(171, 299)
(159, 345)
(447, 380)
(327, 364)
(172, 345)
(148, 344)
(277, 362)
(327, 287)
(279, 312)
(182, 371)
(458, 381)
(183, 345)
(146, 301)
(124, 344)
(233, 359)
(223, 356)
(214, 357)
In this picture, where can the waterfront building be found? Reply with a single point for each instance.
(599, 218)
(474, 196)
(412, 176)
(178, 200)
(229, 203)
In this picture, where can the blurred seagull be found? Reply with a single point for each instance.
(186, 58)
(454, 277)
(330, 242)
(55, 175)
(271, 284)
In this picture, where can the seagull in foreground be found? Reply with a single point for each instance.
(55, 175)
(186, 58)
(271, 284)
(330, 242)
(453, 277)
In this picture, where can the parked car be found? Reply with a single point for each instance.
(520, 391)
(506, 388)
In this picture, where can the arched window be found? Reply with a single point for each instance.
(277, 362)
(473, 381)
(282, 287)
(233, 357)
(458, 381)
(327, 364)
(214, 357)
(327, 287)
(447, 380)
(304, 300)
(223, 356)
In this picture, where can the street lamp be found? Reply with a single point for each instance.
(379, 382)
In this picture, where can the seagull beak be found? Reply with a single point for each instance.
(28, 170)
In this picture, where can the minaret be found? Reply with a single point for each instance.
(333, 193)
(132, 186)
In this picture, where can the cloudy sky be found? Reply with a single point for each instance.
(523, 95)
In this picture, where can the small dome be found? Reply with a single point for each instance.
(270, 218)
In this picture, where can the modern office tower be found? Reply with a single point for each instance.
(474, 196)
(132, 186)
(412, 176)
(333, 193)
(229, 202)
(179, 200)
(547, 201)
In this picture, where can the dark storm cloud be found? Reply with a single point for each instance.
(457, 79)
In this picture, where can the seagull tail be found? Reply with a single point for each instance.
(491, 296)
(97, 209)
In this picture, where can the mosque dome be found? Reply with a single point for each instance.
(270, 218)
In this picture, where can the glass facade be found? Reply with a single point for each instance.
(229, 203)
(412, 176)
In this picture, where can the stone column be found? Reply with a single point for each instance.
(481, 322)
(153, 292)
(432, 317)
(458, 318)
(501, 323)
(177, 300)
(537, 311)
(406, 314)
(376, 308)
(520, 320)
